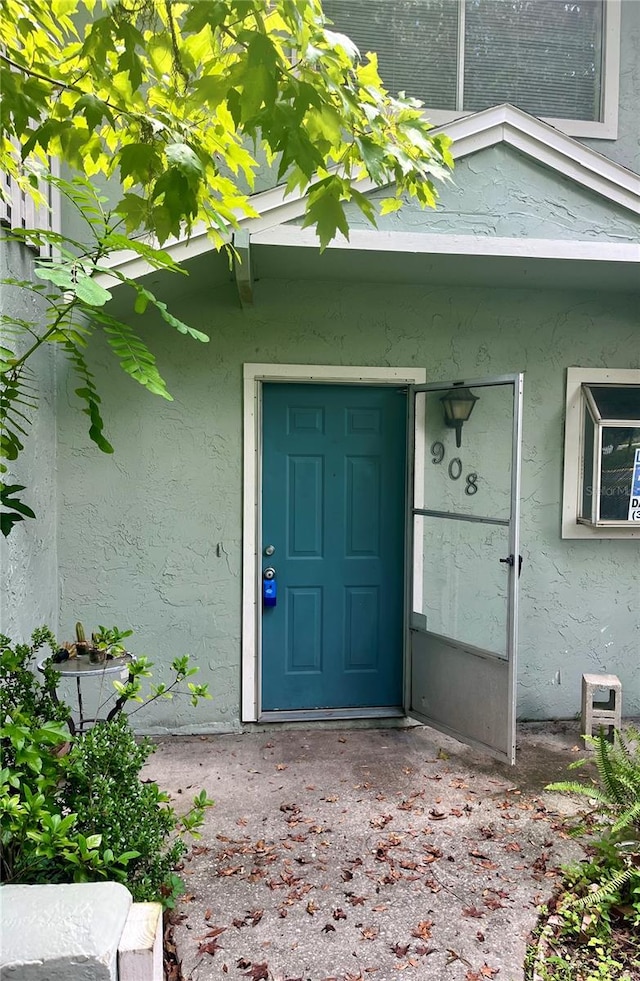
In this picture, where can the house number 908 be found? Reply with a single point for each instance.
(454, 468)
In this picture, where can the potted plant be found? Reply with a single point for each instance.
(107, 644)
(82, 645)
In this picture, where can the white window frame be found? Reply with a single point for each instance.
(574, 449)
(606, 128)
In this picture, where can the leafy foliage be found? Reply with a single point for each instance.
(176, 99)
(73, 309)
(176, 104)
(74, 808)
(131, 817)
(600, 898)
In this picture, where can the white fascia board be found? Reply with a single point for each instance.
(470, 134)
(548, 146)
(366, 240)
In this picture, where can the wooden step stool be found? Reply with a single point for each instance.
(598, 713)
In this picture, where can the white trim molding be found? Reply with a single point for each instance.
(548, 146)
(573, 450)
(370, 240)
(253, 377)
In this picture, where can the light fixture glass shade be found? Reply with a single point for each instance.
(458, 405)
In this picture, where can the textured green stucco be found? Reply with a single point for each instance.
(151, 538)
(28, 558)
(499, 191)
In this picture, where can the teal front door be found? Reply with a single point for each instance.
(333, 478)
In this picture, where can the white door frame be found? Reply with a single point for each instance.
(254, 375)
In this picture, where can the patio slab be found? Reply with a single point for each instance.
(360, 853)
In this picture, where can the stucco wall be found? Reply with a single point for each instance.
(151, 538)
(28, 559)
(626, 149)
(501, 192)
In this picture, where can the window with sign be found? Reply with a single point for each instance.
(555, 59)
(602, 453)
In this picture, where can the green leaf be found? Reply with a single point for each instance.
(169, 318)
(141, 303)
(7, 520)
(94, 110)
(60, 275)
(325, 210)
(139, 161)
(389, 205)
(181, 156)
(373, 157)
(90, 292)
(87, 392)
(135, 357)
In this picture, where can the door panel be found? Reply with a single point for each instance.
(334, 463)
(464, 530)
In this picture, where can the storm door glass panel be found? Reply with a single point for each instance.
(544, 56)
(464, 584)
(415, 40)
(619, 445)
(475, 478)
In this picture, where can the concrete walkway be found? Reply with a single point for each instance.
(366, 853)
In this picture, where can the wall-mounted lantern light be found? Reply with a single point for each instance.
(458, 405)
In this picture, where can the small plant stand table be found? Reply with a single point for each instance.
(81, 668)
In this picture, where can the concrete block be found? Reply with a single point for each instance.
(140, 949)
(598, 713)
(62, 932)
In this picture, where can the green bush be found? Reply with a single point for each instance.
(103, 788)
(73, 808)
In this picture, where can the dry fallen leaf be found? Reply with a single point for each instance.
(357, 900)
(258, 972)
(369, 932)
(381, 821)
(423, 930)
(400, 950)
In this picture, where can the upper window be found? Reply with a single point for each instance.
(556, 59)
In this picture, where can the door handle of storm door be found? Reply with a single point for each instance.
(510, 561)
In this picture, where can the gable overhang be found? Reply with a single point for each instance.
(499, 125)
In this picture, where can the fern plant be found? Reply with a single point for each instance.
(612, 879)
